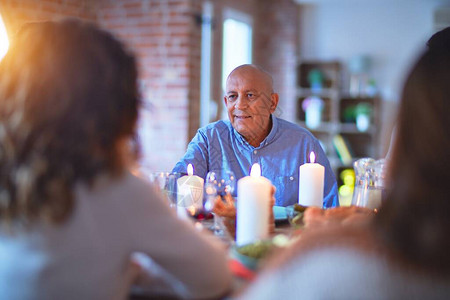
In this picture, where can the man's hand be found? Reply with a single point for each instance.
(344, 215)
(224, 207)
(271, 216)
(226, 210)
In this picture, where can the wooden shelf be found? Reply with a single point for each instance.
(351, 128)
(324, 127)
(324, 92)
(330, 70)
(336, 116)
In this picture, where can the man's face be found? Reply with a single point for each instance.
(250, 101)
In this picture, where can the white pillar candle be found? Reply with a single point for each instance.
(310, 190)
(254, 193)
(190, 191)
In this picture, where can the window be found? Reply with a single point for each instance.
(237, 50)
(237, 42)
(205, 77)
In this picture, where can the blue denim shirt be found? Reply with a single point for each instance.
(219, 146)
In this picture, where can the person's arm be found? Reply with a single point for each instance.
(196, 154)
(196, 259)
(318, 265)
(315, 217)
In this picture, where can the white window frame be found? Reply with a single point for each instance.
(229, 13)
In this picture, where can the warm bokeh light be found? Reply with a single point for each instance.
(4, 43)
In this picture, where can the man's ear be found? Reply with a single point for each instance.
(225, 100)
(273, 102)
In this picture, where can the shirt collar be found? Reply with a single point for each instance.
(272, 132)
(269, 138)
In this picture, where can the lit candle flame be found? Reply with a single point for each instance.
(255, 170)
(4, 43)
(190, 170)
(312, 157)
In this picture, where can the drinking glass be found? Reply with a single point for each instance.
(370, 178)
(166, 184)
(218, 183)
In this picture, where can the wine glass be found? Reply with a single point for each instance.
(218, 183)
(166, 184)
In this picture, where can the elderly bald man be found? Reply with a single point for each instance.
(254, 135)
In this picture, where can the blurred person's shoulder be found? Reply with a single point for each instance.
(351, 273)
(123, 188)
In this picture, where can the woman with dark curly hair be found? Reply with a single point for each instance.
(70, 212)
(403, 251)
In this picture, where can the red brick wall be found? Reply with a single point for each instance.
(17, 12)
(194, 65)
(166, 40)
(276, 48)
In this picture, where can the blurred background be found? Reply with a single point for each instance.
(337, 65)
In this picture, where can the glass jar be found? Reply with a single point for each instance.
(370, 178)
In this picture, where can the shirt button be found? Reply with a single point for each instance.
(291, 178)
(256, 151)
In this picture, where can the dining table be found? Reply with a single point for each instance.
(242, 274)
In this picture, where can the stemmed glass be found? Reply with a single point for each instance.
(166, 183)
(218, 183)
